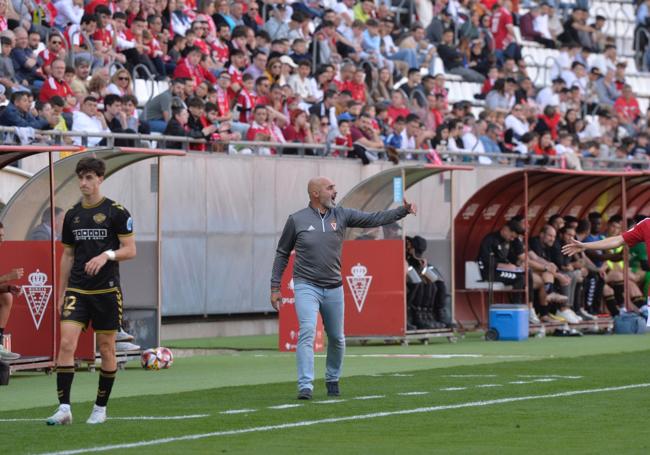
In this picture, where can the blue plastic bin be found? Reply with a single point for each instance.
(510, 321)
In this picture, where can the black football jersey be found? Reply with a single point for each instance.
(91, 230)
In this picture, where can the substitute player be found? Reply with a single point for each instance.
(97, 233)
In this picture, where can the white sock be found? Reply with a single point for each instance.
(64, 407)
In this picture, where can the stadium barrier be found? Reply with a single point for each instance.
(463, 157)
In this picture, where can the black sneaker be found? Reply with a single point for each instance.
(304, 394)
(332, 389)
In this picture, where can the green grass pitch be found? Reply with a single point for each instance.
(553, 395)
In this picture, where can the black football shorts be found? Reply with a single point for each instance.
(103, 309)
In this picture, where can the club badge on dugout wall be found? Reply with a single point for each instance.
(37, 294)
(359, 283)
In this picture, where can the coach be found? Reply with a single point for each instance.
(316, 233)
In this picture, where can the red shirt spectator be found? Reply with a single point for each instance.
(358, 91)
(53, 87)
(394, 112)
(187, 69)
(90, 7)
(501, 22)
(246, 102)
(627, 105)
(47, 57)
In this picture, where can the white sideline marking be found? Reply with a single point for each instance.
(307, 423)
(520, 382)
(489, 385)
(370, 397)
(408, 394)
(558, 376)
(451, 389)
(237, 411)
(400, 375)
(192, 416)
(329, 401)
(544, 380)
(469, 376)
(285, 406)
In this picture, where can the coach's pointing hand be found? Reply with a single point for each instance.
(410, 207)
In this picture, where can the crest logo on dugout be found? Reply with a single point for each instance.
(37, 295)
(359, 284)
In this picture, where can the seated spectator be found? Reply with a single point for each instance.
(89, 120)
(55, 51)
(121, 83)
(7, 293)
(43, 231)
(28, 71)
(158, 109)
(627, 109)
(17, 113)
(116, 119)
(364, 138)
(297, 130)
(55, 86)
(177, 126)
(606, 90)
(198, 125)
(455, 62)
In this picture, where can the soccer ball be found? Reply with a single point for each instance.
(165, 357)
(149, 360)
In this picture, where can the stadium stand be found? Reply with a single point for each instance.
(588, 59)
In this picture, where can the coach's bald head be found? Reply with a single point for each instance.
(322, 193)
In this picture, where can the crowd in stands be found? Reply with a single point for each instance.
(568, 288)
(359, 74)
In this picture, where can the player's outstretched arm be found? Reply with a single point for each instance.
(575, 246)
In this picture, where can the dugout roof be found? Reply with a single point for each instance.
(376, 192)
(541, 193)
(24, 209)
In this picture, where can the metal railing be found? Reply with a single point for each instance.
(325, 150)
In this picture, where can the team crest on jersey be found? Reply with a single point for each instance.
(99, 218)
(333, 224)
(37, 295)
(76, 220)
(359, 284)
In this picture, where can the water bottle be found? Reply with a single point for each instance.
(541, 333)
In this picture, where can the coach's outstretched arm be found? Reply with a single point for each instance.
(606, 244)
(359, 219)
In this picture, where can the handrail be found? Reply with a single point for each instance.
(461, 156)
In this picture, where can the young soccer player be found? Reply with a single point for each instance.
(97, 234)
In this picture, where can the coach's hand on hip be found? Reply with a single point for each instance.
(276, 299)
(410, 207)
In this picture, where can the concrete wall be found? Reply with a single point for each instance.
(222, 216)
